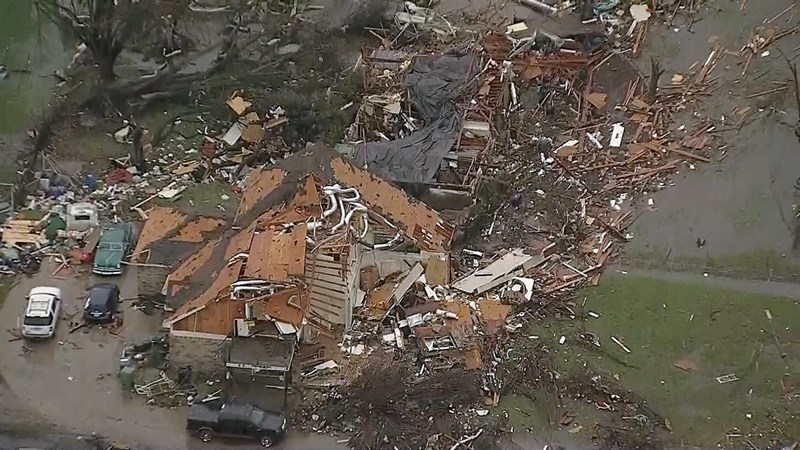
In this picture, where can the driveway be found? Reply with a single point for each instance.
(71, 380)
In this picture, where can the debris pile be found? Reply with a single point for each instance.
(425, 334)
(148, 362)
(385, 404)
(575, 165)
(582, 139)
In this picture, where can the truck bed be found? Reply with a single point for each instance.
(203, 414)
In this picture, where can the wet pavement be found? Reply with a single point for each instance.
(743, 204)
(295, 441)
(70, 381)
(79, 369)
(788, 290)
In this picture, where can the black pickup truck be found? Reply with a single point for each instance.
(240, 420)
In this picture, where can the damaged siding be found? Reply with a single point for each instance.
(333, 279)
(215, 318)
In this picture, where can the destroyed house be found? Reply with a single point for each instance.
(291, 261)
(427, 121)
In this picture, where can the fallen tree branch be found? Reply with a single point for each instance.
(466, 440)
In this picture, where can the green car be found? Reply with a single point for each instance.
(114, 244)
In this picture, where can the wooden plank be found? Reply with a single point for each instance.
(333, 294)
(689, 155)
(335, 287)
(329, 278)
(332, 272)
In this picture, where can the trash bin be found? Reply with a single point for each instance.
(127, 376)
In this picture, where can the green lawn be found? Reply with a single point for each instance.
(765, 264)
(206, 199)
(722, 331)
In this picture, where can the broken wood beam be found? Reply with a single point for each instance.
(667, 166)
(689, 155)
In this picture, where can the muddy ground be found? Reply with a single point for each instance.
(742, 206)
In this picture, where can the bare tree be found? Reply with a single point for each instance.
(106, 27)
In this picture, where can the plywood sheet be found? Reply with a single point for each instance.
(289, 305)
(193, 264)
(259, 185)
(464, 321)
(494, 310)
(197, 228)
(240, 242)
(160, 222)
(277, 254)
(222, 282)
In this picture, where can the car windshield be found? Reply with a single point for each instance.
(99, 296)
(113, 246)
(257, 416)
(38, 321)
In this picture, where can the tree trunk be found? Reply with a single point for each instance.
(105, 66)
(137, 155)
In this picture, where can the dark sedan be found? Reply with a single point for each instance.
(101, 304)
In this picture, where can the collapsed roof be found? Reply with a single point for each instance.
(168, 234)
(287, 209)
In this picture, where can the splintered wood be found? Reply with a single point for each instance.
(760, 39)
(23, 232)
(609, 162)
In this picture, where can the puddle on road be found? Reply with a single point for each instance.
(31, 50)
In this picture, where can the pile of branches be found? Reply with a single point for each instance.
(387, 407)
(528, 371)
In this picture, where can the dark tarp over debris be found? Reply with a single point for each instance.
(435, 83)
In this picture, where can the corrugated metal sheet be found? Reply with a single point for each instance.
(277, 254)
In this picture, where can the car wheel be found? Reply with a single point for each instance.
(205, 435)
(266, 441)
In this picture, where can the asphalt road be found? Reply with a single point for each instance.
(295, 441)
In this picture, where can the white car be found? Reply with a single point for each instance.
(41, 315)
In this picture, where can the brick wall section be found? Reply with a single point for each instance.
(204, 355)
